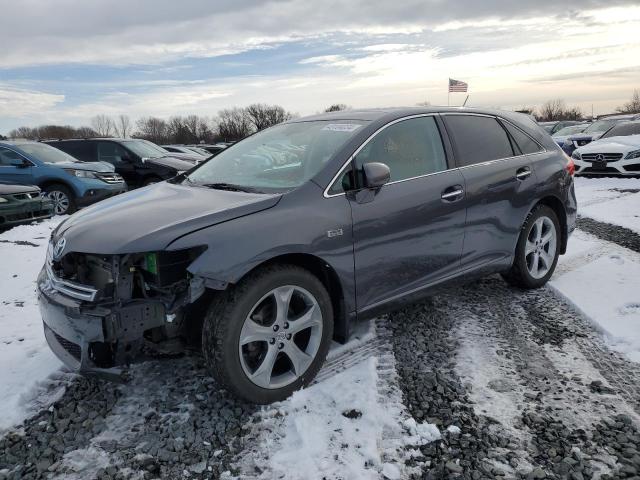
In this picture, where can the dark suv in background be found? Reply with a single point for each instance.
(137, 161)
(267, 251)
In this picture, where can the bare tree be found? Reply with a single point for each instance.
(234, 124)
(554, 110)
(86, 132)
(153, 129)
(337, 107)
(263, 116)
(632, 106)
(103, 125)
(24, 132)
(122, 126)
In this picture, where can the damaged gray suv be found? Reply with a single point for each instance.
(264, 254)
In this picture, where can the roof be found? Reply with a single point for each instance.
(378, 113)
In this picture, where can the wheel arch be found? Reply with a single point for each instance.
(329, 278)
(555, 204)
(56, 181)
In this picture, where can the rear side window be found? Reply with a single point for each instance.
(523, 142)
(111, 152)
(82, 150)
(478, 139)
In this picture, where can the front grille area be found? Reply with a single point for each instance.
(27, 195)
(72, 348)
(26, 215)
(109, 177)
(599, 170)
(609, 157)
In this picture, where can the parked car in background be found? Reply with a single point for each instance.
(594, 131)
(260, 260)
(191, 157)
(139, 162)
(553, 127)
(22, 204)
(213, 149)
(561, 135)
(186, 149)
(616, 152)
(68, 182)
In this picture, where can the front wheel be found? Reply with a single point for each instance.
(62, 198)
(269, 335)
(537, 250)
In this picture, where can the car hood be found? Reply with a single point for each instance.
(613, 145)
(90, 166)
(171, 162)
(187, 157)
(150, 218)
(10, 189)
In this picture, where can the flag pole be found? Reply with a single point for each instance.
(448, 92)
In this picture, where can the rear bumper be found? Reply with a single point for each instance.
(16, 213)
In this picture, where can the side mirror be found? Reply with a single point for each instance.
(376, 174)
(19, 163)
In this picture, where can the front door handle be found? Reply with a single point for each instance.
(523, 173)
(451, 194)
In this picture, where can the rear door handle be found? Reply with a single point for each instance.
(451, 194)
(523, 173)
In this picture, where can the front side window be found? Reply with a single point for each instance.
(478, 139)
(277, 159)
(410, 148)
(9, 157)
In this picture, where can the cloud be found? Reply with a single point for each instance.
(18, 102)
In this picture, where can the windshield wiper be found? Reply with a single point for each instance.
(232, 187)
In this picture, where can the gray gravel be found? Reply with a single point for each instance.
(611, 233)
(557, 431)
(170, 419)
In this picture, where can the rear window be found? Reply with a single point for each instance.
(623, 130)
(523, 142)
(478, 139)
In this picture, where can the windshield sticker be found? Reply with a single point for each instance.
(342, 127)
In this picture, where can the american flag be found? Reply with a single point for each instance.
(457, 86)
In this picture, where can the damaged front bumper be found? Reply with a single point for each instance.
(95, 339)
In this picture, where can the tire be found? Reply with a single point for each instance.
(523, 274)
(237, 367)
(150, 181)
(63, 200)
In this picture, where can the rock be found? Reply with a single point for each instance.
(453, 467)
(352, 414)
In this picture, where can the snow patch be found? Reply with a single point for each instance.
(27, 362)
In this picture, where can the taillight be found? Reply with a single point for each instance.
(570, 166)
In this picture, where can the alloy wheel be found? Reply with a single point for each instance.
(280, 337)
(60, 201)
(540, 249)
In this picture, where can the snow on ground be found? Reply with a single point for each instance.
(24, 355)
(601, 279)
(607, 291)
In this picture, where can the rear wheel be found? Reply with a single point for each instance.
(269, 336)
(537, 250)
(62, 198)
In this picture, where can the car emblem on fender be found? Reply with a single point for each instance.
(59, 248)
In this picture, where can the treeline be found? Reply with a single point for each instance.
(229, 125)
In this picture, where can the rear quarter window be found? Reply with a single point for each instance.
(477, 139)
(523, 142)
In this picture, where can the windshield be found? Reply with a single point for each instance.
(548, 127)
(46, 153)
(572, 130)
(600, 126)
(623, 130)
(277, 159)
(145, 149)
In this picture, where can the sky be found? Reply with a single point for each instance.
(65, 61)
